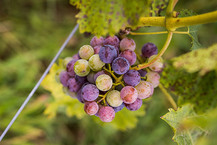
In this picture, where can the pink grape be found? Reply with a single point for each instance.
(129, 94)
(96, 49)
(112, 40)
(96, 41)
(106, 113)
(145, 89)
(129, 55)
(127, 43)
(157, 65)
(91, 108)
(153, 78)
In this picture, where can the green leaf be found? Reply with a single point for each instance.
(175, 118)
(191, 87)
(109, 16)
(202, 60)
(191, 29)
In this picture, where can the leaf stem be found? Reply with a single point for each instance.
(144, 65)
(168, 96)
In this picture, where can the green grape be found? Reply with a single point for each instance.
(157, 65)
(104, 82)
(95, 62)
(86, 51)
(114, 99)
(81, 67)
(66, 61)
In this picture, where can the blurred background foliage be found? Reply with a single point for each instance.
(30, 34)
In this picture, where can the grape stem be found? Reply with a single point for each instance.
(168, 96)
(145, 65)
(160, 32)
(103, 97)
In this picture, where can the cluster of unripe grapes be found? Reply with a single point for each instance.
(102, 77)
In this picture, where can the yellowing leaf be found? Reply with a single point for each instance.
(202, 60)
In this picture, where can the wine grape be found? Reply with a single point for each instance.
(153, 78)
(70, 68)
(86, 51)
(127, 44)
(112, 40)
(145, 89)
(135, 105)
(120, 65)
(149, 49)
(91, 108)
(96, 41)
(96, 49)
(104, 82)
(129, 94)
(64, 77)
(73, 85)
(106, 113)
(157, 65)
(114, 99)
(81, 67)
(119, 108)
(90, 92)
(129, 55)
(90, 77)
(132, 78)
(95, 62)
(107, 53)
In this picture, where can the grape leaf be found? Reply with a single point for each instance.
(191, 87)
(109, 16)
(202, 60)
(175, 118)
(191, 29)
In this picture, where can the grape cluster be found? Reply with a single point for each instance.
(101, 76)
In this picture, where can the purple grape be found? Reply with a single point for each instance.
(70, 67)
(96, 41)
(149, 49)
(107, 53)
(73, 85)
(127, 43)
(90, 92)
(142, 72)
(81, 80)
(135, 105)
(90, 77)
(114, 41)
(96, 49)
(79, 97)
(91, 108)
(64, 77)
(129, 55)
(99, 73)
(119, 108)
(76, 57)
(132, 78)
(106, 113)
(129, 94)
(120, 65)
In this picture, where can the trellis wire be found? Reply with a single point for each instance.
(39, 82)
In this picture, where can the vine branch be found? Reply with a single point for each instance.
(168, 96)
(144, 65)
